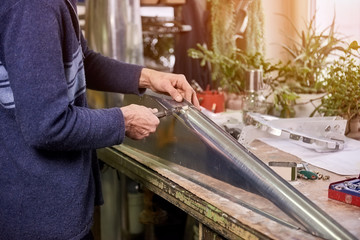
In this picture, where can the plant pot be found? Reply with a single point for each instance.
(307, 103)
(354, 128)
(212, 100)
(234, 101)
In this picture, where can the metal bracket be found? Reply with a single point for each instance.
(323, 134)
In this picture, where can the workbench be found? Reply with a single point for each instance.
(234, 214)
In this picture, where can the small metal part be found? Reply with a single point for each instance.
(235, 132)
(294, 136)
(280, 168)
(352, 186)
(338, 187)
(196, 86)
(283, 164)
(308, 140)
(299, 175)
(168, 112)
(326, 177)
(305, 165)
(163, 113)
(213, 107)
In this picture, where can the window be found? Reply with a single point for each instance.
(347, 17)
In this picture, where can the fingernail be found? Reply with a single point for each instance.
(178, 98)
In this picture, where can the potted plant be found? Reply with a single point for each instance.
(303, 73)
(342, 86)
(227, 61)
(230, 70)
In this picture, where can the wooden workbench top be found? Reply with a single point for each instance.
(316, 190)
(231, 211)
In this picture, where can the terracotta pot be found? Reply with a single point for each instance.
(212, 100)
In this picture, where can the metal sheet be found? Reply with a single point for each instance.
(190, 139)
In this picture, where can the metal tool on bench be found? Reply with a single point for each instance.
(305, 172)
(192, 140)
(323, 134)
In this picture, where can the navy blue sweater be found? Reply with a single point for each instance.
(49, 178)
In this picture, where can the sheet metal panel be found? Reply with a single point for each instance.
(192, 140)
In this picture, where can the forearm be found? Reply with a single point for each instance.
(110, 75)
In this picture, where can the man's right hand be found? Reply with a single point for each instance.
(140, 121)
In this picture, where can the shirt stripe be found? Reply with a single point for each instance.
(75, 76)
(6, 93)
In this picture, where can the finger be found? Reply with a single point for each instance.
(145, 133)
(195, 101)
(187, 91)
(189, 94)
(154, 110)
(141, 134)
(150, 116)
(175, 94)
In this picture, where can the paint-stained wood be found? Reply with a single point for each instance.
(233, 213)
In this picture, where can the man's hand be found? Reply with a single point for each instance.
(174, 84)
(140, 121)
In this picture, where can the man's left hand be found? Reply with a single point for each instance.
(175, 85)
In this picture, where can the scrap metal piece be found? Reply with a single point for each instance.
(321, 134)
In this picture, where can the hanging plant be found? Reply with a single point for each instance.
(254, 34)
(228, 62)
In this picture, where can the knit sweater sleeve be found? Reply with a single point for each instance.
(106, 74)
(33, 50)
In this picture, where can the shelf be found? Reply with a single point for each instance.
(157, 3)
(163, 25)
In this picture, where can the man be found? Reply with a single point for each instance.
(49, 176)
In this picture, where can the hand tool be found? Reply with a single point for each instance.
(167, 112)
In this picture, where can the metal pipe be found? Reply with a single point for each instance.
(270, 185)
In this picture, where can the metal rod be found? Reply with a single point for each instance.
(262, 178)
(270, 185)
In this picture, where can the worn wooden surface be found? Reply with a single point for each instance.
(315, 190)
(234, 213)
